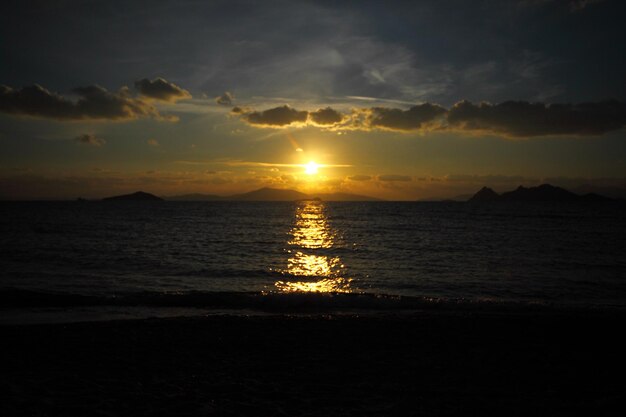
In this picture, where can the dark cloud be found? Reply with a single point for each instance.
(276, 117)
(160, 89)
(360, 178)
(327, 116)
(391, 177)
(413, 51)
(94, 103)
(90, 139)
(286, 115)
(415, 118)
(225, 99)
(412, 119)
(511, 118)
(523, 119)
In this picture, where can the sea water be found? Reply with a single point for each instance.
(239, 255)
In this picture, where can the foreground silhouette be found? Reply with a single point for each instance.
(428, 365)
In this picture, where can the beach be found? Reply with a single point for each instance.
(436, 363)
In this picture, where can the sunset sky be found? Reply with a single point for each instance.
(397, 100)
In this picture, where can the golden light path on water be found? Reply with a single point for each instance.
(310, 235)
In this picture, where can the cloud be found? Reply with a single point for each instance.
(94, 103)
(90, 139)
(327, 116)
(276, 117)
(519, 119)
(412, 119)
(523, 119)
(225, 99)
(419, 117)
(285, 115)
(160, 89)
(360, 178)
(392, 177)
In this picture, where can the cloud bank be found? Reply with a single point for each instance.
(523, 119)
(93, 103)
(326, 117)
(519, 119)
(414, 118)
(276, 117)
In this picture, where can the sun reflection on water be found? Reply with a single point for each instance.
(318, 272)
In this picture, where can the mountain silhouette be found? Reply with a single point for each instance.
(273, 194)
(543, 193)
(138, 196)
(485, 194)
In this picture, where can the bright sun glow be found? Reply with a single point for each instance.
(311, 168)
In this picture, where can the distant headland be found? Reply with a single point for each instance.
(262, 194)
(273, 194)
(541, 193)
(138, 196)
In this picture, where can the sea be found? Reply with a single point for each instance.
(97, 260)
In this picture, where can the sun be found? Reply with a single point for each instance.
(311, 168)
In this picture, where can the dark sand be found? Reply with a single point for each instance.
(465, 364)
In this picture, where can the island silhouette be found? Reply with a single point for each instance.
(541, 193)
(262, 194)
(137, 196)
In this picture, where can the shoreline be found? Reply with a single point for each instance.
(22, 306)
(434, 363)
(36, 316)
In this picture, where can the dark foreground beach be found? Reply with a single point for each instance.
(437, 363)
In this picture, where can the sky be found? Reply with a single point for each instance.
(396, 100)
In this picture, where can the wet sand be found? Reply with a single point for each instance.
(434, 364)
